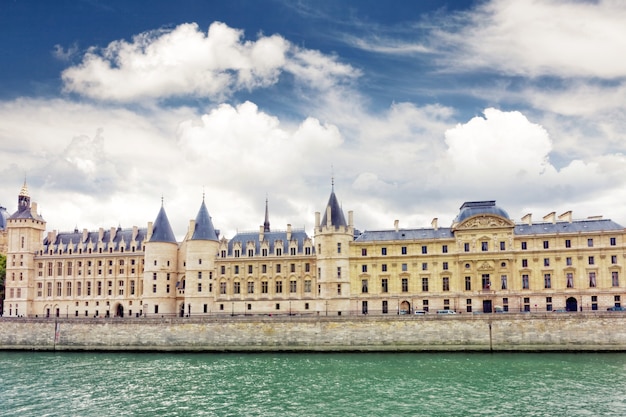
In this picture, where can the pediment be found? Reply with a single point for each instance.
(484, 222)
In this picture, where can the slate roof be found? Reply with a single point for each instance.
(336, 214)
(203, 229)
(272, 237)
(65, 241)
(161, 229)
(4, 215)
(576, 226)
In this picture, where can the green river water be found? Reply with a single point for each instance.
(312, 384)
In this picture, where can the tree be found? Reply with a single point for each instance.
(3, 274)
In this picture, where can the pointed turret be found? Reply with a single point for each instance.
(266, 223)
(333, 215)
(162, 231)
(203, 228)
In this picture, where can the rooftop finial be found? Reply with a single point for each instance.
(332, 177)
(161, 200)
(266, 223)
(203, 193)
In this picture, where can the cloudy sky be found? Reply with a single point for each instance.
(412, 106)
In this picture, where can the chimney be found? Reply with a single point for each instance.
(261, 233)
(351, 218)
(528, 219)
(85, 235)
(33, 209)
(192, 227)
(396, 224)
(329, 219)
(149, 233)
(112, 235)
(550, 217)
(435, 223)
(567, 216)
(100, 234)
(135, 232)
(317, 219)
(288, 233)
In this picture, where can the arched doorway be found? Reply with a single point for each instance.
(119, 310)
(571, 304)
(405, 307)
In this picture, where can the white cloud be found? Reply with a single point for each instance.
(533, 38)
(186, 62)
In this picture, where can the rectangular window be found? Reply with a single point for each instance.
(424, 284)
(503, 281)
(338, 247)
(364, 286)
(484, 246)
(250, 253)
(424, 266)
(222, 288)
(154, 288)
(385, 307)
(236, 288)
(502, 245)
(307, 285)
(132, 287)
(237, 253)
(292, 286)
(404, 268)
(592, 279)
(278, 268)
(613, 242)
(424, 249)
(384, 267)
(524, 263)
(569, 280)
(466, 247)
(199, 274)
(568, 243)
(445, 266)
(363, 251)
(486, 281)
(363, 268)
(79, 289)
(444, 248)
(250, 287)
(446, 284)
(546, 244)
(468, 283)
(338, 272)
(546, 261)
(263, 268)
(405, 285)
(307, 267)
(613, 259)
(338, 289)
(548, 303)
(591, 260)
(199, 287)
(383, 251)
(292, 268)
(88, 289)
(264, 252)
(568, 261)
(385, 285)
(615, 278)
(68, 289)
(526, 303)
(547, 281)
(264, 287)
(590, 243)
(524, 245)
(525, 283)
(223, 269)
(236, 271)
(279, 287)
(403, 250)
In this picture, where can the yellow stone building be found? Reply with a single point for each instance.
(483, 263)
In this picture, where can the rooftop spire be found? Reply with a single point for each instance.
(266, 223)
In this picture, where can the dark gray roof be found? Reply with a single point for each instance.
(472, 208)
(405, 234)
(271, 237)
(161, 230)
(4, 215)
(336, 214)
(66, 241)
(203, 229)
(577, 226)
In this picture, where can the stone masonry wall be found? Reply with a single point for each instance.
(498, 332)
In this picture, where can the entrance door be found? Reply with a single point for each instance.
(487, 306)
(405, 307)
(120, 310)
(571, 304)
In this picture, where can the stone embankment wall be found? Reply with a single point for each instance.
(497, 332)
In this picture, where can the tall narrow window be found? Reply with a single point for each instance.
(592, 279)
(385, 285)
(405, 284)
(615, 278)
(363, 285)
(547, 281)
(525, 283)
(569, 278)
(503, 280)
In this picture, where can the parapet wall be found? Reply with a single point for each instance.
(498, 332)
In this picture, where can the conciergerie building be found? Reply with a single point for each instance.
(483, 262)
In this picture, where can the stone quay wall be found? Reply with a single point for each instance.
(604, 331)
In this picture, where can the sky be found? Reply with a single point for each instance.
(109, 109)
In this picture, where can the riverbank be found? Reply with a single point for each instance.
(598, 331)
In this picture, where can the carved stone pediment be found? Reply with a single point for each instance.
(481, 222)
(485, 266)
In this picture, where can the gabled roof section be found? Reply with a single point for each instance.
(161, 230)
(336, 213)
(272, 238)
(203, 229)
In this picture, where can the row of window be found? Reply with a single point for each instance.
(591, 260)
(486, 282)
(100, 289)
(250, 287)
(89, 250)
(277, 268)
(265, 252)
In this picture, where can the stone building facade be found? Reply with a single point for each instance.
(483, 263)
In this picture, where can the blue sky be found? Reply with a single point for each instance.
(413, 107)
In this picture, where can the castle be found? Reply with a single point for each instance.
(483, 263)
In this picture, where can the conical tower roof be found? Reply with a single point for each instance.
(161, 230)
(336, 213)
(204, 229)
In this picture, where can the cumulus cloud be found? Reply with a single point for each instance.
(535, 38)
(185, 61)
